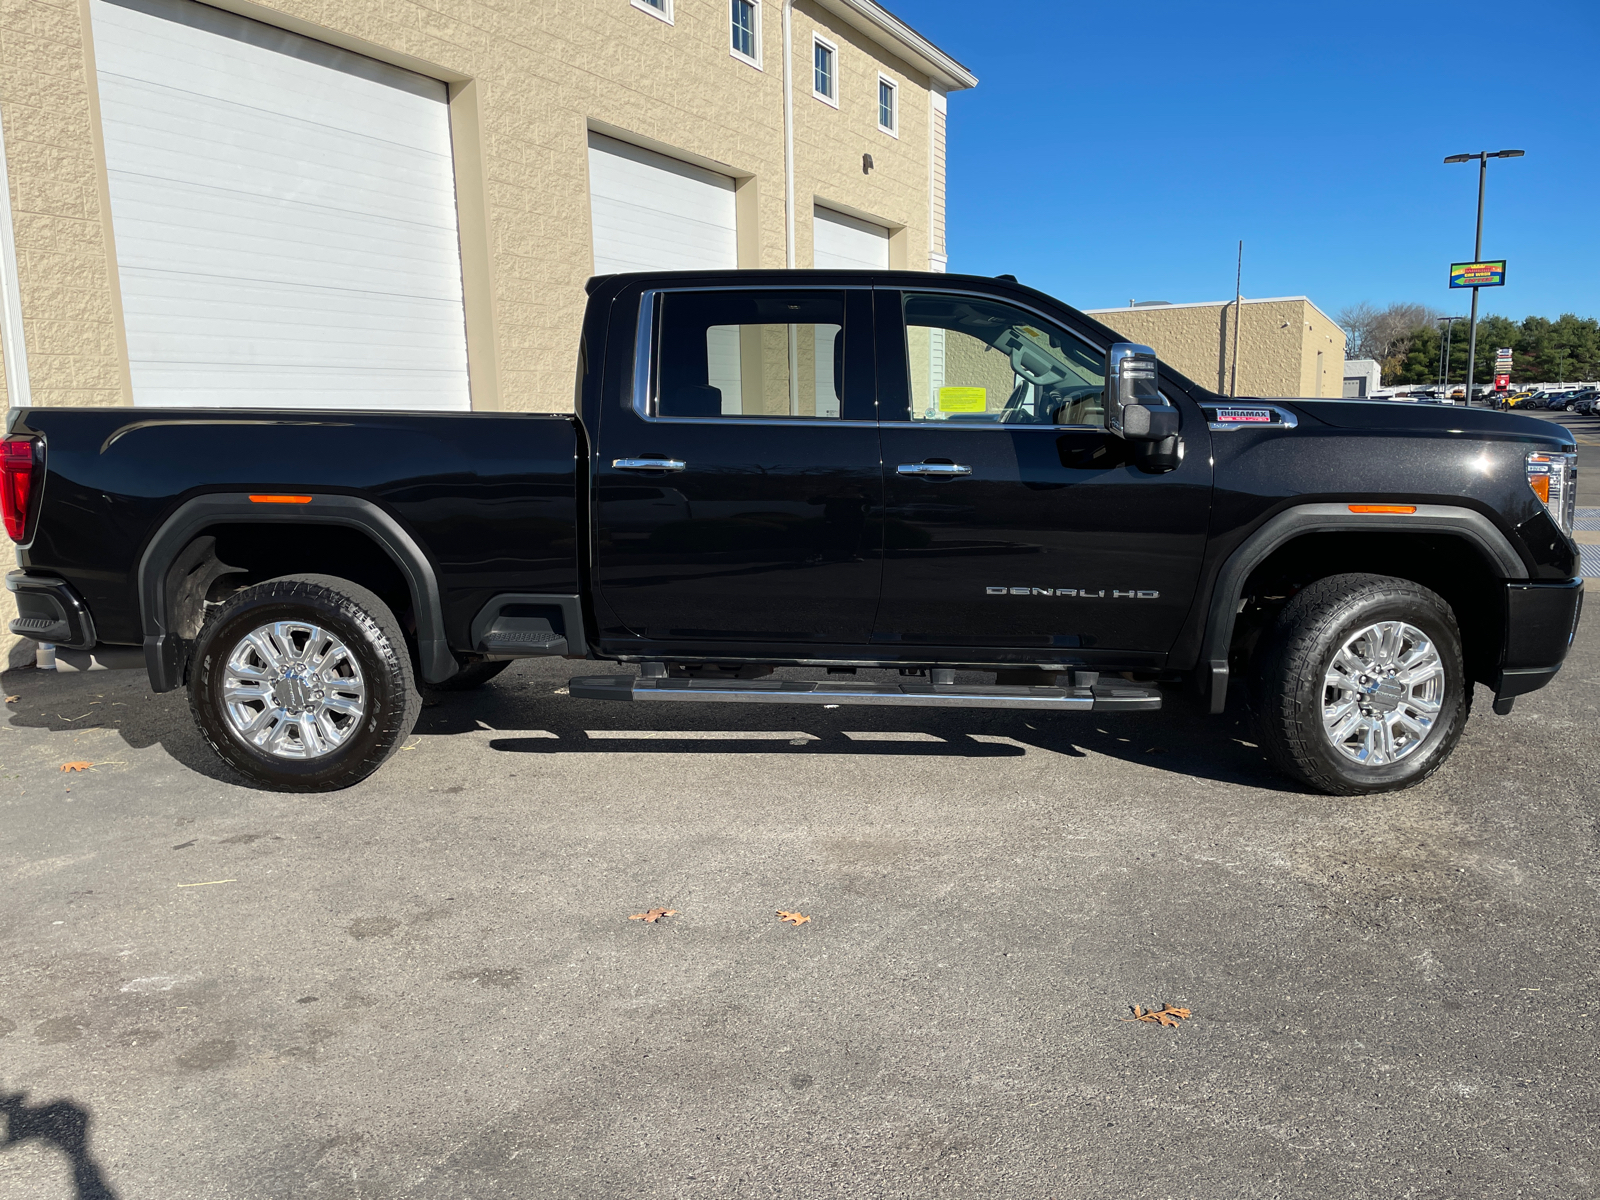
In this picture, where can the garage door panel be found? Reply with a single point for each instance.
(284, 214)
(254, 153)
(841, 242)
(298, 77)
(277, 386)
(649, 212)
(326, 328)
(265, 239)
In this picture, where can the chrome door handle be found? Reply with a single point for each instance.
(933, 469)
(648, 464)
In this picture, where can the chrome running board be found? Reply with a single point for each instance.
(1117, 695)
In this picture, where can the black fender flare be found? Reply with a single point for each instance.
(1228, 589)
(163, 651)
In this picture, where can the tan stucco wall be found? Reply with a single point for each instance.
(528, 81)
(1278, 344)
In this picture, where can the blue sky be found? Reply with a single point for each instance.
(1120, 149)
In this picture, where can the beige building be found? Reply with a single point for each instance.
(384, 203)
(1287, 346)
(393, 204)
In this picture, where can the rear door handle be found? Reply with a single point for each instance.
(648, 464)
(933, 469)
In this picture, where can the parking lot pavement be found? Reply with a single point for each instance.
(429, 985)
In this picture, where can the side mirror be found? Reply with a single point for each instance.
(1135, 408)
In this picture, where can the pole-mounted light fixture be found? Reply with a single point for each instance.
(1482, 157)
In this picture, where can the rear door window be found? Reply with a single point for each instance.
(748, 354)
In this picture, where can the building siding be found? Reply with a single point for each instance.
(1277, 345)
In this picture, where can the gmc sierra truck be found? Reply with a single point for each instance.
(829, 470)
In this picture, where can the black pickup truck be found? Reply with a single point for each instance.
(828, 470)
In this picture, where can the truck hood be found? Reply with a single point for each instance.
(1430, 418)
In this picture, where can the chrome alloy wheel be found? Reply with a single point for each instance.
(293, 690)
(1382, 694)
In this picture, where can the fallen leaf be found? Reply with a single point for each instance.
(792, 918)
(76, 766)
(12, 699)
(1165, 1015)
(654, 915)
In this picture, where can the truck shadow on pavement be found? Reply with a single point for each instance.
(61, 1124)
(525, 716)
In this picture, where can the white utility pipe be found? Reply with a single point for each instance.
(11, 344)
(788, 135)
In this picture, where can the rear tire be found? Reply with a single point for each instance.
(303, 683)
(1362, 687)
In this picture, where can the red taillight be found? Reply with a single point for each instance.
(16, 484)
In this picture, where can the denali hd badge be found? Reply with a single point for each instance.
(1081, 593)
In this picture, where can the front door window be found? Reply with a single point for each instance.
(980, 362)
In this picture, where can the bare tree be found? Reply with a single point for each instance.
(1383, 334)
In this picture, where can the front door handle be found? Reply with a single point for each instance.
(935, 470)
(648, 464)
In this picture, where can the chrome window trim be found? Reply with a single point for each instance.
(925, 424)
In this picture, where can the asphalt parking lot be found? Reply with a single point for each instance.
(429, 985)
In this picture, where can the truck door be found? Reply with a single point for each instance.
(738, 485)
(1012, 518)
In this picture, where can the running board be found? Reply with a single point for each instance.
(1116, 696)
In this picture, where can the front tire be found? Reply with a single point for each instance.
(303, 683)
(1362, 687)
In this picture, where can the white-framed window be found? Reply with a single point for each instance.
(824, 70)
(656, 8)
(744, 30)
(888, 106)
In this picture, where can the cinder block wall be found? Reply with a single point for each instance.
(1277, 345)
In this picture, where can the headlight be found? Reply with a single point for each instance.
(1554, 479)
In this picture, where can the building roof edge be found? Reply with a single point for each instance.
(1205, 304)
(885, 28)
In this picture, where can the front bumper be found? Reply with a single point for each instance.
(1541, 619)
(49, 610)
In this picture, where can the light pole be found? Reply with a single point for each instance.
(1483, 157)
(1444, 355)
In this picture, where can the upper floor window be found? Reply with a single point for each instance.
(746, 31)
(888, 106)
(825, 70)
(656, 8)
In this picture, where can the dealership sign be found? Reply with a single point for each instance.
(1478, 274)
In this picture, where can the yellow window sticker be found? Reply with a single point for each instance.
(963, 399)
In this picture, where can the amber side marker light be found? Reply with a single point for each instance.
(1382, 508)
(280, 499)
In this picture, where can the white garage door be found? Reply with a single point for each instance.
(844, 243)
(284, 214)
(654, 213)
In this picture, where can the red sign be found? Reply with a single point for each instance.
(1502, 382)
